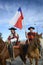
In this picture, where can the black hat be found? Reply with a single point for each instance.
(31, 28)
(12, 28)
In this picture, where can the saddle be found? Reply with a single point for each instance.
(17, 45)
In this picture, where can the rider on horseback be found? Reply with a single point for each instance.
(12, 40)
(31, 35)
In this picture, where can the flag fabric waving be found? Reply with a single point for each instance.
(17, 19)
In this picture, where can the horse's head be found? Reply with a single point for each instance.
(2, 44)
(36, 41)
(38, 35)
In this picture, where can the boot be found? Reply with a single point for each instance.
(10, 49)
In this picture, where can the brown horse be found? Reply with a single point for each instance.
(33, 49)
(33, 53)
(4, 54)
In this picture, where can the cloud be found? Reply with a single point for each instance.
(4, 21)
(5, 6)
(32, 16)
(1, 6)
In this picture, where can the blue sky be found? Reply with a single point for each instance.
(32, 11)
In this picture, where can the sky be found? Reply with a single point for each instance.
(32, 12)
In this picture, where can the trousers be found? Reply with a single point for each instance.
(10, 49)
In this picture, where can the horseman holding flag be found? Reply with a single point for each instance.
(17, 22)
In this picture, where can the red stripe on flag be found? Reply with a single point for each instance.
(19, 22)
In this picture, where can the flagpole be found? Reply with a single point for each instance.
(36, 27)
(25, 28)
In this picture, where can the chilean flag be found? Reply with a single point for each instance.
(17, 19)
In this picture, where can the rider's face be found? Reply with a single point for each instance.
(12, 31)
(31, 30)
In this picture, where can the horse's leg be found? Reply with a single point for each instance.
(36, 62)
(24, 63)
(23, 59)
(30, 60)
(3, 62)
(0, 62)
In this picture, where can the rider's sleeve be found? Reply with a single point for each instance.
(10, 37)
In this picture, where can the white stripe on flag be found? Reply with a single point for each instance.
(15, 18)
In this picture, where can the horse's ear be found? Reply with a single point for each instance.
(37, 35)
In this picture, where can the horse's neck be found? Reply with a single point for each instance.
(32, 45)
(2, 45)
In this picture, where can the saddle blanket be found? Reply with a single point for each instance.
(16, 46)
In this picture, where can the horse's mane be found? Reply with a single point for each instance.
(2, 44)
(35, 42)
